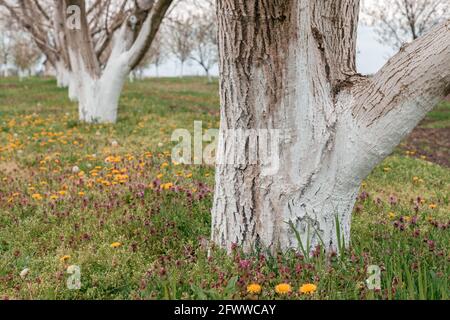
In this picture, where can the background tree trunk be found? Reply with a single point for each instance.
(290, 66)
(98, 89)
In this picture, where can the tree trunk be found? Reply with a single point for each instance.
(99, 96)
(62, 74)
(208, 76)
(98, 90)
(288, 79)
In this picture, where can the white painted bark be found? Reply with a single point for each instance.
(62, 74)
(290, 66)
(99, 97)
(98, 90)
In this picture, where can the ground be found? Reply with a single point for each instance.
(109, 200)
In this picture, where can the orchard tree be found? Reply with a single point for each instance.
(154, 56)
(289, 66)
(401, 21)
(157, 53)
(99, 87)
(43, 23)
(205, 49)
(25, 54)
(6, 48)
(181, 39)
(53, 25)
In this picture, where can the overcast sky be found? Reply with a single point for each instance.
(371, 57)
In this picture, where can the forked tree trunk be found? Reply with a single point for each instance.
(288, 67)
(98, 90)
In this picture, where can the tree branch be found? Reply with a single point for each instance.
(419, 73)
(387, 107)
(147, 33)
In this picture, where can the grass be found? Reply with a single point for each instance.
(439, 117)
(157, 214)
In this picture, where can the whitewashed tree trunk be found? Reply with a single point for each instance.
(290, 66)
(98, 90)
(62, 74)
(99, 96)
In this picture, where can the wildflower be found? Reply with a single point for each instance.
(283, 288)
(114, 144)
(64, 258)
(391, 215)
(167, 186)
(116, 245)
(75, 170)
(254, 288)
(37, 197)
(164, 165)
(308, 288)
(244, 264)
(62, 193)
(121, 178)
(432, 206)
(113, 159)
(81, 193)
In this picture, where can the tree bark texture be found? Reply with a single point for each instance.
(289, 65)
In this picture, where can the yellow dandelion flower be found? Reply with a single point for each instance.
(308, 288)
(37, 197)
(115, 245)
(64, 258)
(254, 288)
(283, 288)
(164, 165)
(167, 186)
